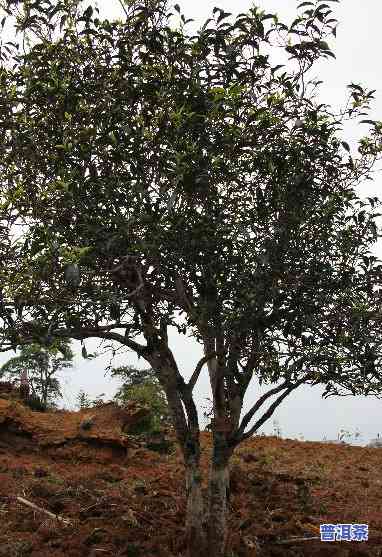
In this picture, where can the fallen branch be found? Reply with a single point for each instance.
(93, 505)
(39, 509)
(292, 541)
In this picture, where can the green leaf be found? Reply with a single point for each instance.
(303, 4)
(346, 146)
(113, 138)
(223, 15)
(324, 45)
(84, 352)
(88, 12)
(321, 7)
(62, 21)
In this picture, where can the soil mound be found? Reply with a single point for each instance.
(119, 498)
(103, 427)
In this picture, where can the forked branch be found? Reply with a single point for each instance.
(198, 369)
(241, 436)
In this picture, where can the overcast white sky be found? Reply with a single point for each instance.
(305, 413)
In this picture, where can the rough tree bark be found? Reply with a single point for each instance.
(218, 497)
(195, 533)
(187, 432)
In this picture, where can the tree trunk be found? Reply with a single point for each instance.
(179, 399)
(44, 395)
(195, 534)
(218, 509)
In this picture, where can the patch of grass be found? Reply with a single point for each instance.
(55, 480)
(132, 550)
(304, 495)
(317, 471)
(236, 460)
(322, 509)
(266, 460)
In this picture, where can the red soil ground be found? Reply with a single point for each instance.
(125, 500)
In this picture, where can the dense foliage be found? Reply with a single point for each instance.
(154, 173)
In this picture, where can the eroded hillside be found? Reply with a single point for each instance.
(120, 498)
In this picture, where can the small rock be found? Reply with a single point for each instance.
(96, 536)
(140, 488)
(40, 473)
(279, 517)
(245, 524)
(130, 518)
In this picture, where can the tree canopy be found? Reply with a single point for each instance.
(153, 172)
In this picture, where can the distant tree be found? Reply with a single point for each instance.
(142, 386)
(42, 363)
(83, 400)
(277, 428)
(132, 376)
(98, 400)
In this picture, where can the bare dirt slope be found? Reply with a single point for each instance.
(125, 500)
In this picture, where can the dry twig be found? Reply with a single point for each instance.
(41, 510)
(292, 541)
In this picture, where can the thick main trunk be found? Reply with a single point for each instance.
(218, 509)
(195, 534)
(179, 399)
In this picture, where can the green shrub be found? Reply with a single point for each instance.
(144, 426)
(146, 391)
(34, 403)
(83, 400)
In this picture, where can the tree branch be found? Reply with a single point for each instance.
(196, 373)
(100, 332)
(249, 415)
(298, 364)
(248, 368)
(41, 510)
(238, 438)
(217, 384)
(123, 7)
(86, 333)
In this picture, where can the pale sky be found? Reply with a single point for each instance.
(304, 412)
